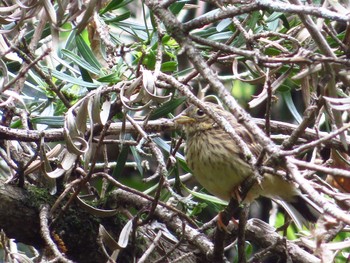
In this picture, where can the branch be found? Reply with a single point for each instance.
(45, 232)
(257, 231)
(303, 9)
(19, 219)
(162, 125)
(265, 236)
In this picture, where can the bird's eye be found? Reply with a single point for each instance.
(200, 113)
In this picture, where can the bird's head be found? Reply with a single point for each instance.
(195, 119)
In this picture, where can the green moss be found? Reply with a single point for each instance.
(38, 196)
(78, 230)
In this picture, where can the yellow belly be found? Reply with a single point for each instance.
(221, 171)
(218, 169)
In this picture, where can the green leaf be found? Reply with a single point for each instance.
(248, 248)
(273, 17)
(75, 58)
(175, 8)
(70, 42)
(137, 158)
(118, 18)
(169, 66)
(115, 4)
(183, 165)
(166, 108)
(291, 106)
(206, 197)
(198, 209)
(224, 24)
(70, 79)
(162, 144)
(53, 121)
(87, 54)
(111, 78)
(253, 21)
(220, 36)
(122, 158)
(285, 22)
(85, 74)
(16, 124)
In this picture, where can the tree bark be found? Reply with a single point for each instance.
(19, 218)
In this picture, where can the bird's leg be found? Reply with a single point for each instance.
(225, 216)
(239, 195)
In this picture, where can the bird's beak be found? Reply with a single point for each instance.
(183, 119)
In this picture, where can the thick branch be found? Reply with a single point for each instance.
(14, 209)
(19, 218)
(265, 236)
(257, 231)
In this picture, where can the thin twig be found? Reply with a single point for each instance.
(243, 217)
(331, 209)
(297, 133)
(320, 168)
(161, 166)
(45, 233)
(167, 254)
(24, 70)
(267, 86)
(315, 143)
(151, 248)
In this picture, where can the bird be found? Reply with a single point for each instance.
(219, 164)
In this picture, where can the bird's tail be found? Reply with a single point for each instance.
(302, 210)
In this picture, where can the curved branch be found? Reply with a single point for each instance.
(161, 125)
(257, 231)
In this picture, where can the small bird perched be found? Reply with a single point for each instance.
(218, 163)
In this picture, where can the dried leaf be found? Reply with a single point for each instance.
(96, 211)
(104, 114)
(124, 234)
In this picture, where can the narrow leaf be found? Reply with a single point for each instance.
(123, 156)
(291, 106)
(162, 144)
(167, 108)
(96, 211)
(79, 61)
(76, 81)
(206, 197)
(124, 234)
(137, 158)
(86, 53)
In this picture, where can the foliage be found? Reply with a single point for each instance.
(89, 88)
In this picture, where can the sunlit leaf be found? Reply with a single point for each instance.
(87, 53)
(125, 233)
(53, 121)
(75, 58)
(105, 110)
(169, 66)
(206, 197)
(111, 78)
(223, 24)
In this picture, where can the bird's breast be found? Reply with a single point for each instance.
(214, 160)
